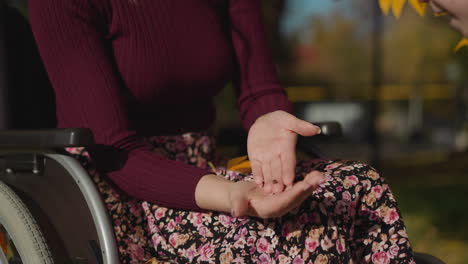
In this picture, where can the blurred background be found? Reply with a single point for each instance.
(400, 93)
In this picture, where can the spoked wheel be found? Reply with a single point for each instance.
(21, 239)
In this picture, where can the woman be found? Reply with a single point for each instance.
(142, 74)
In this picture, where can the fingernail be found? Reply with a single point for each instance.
(233, 212)
(319, 130)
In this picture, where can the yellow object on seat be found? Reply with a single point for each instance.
(240, 164)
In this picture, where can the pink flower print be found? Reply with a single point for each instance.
(136, 209)
(366, 184)
(326, 243)
(170, 226)
(152, 227)
(156, 239)
(339, 189)
(340, 245)
(74, 151)
(380, 258)
(160, 213)
(354, 180)
(332, 166)
(263, 245)
(196, 219)
(243, 232)
(206, 252)
(393, 251)
(311, 244)
(136, 251)
(264, 259)
(204, 231)
(284, 259)
(329, 198)
(285, 229)
(190, 253)
(250, 241)
(391, 217)
(347, 168)
(238, 260)
(252, 250)
(298, 260)
(378, 190)
(173, 239)
(375, 230)
(294, 251)
(346, 196)
(225, 220)
(374, 215)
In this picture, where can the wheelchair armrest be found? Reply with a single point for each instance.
(46, 138)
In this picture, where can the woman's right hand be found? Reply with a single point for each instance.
(248, 199)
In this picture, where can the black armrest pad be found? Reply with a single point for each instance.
(47, 138)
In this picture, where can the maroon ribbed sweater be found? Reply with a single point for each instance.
(133, 68)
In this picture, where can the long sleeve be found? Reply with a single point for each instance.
(259, 89)
(72, 39)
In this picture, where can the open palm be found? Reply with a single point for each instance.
(248, 199)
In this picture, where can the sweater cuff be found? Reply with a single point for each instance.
(263, 105)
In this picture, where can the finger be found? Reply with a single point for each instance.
(305, 128)
(276, 171)
(440, 6)
(456, 24)
(267, 178)
(297, 193)
(257, 171)
(314, 178)
(288, 166)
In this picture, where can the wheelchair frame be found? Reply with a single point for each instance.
(42, 143)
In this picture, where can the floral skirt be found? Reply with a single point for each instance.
(351, 218)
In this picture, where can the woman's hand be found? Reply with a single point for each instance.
(271, 147)
(457, 9)
(248, 199)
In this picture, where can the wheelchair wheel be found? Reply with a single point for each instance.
(21, 240)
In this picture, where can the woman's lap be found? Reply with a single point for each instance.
(353, 215)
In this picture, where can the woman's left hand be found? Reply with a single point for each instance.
(271, 146)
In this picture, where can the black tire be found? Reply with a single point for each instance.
(22, 228)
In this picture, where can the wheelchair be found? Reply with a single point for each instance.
(50, 209)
